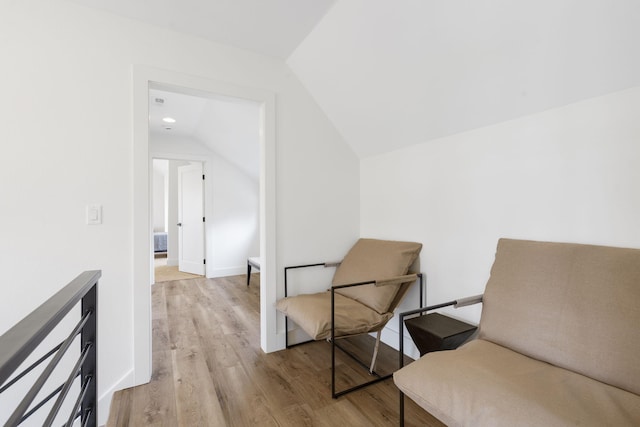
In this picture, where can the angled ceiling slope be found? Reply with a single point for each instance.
(392, 74)
(273, 27)
(228, 127)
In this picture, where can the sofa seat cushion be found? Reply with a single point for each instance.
(484, 384)
(312, 312)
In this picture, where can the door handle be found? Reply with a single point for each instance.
(179, 224)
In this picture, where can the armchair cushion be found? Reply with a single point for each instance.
(577, 306)
(371, 259)
(312, 312)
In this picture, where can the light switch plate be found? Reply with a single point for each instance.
(94, 214)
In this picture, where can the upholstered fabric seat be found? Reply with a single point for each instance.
(312, 312)
(484, 384)
(558, 343)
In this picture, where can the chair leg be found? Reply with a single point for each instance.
(248, 273)
(375, 353)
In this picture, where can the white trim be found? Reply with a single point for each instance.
(142, 77)
(390, 337)
(104, 402)
(229, 271)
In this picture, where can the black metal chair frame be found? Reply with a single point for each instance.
(462, 302)
(335, 394)
(251, 264)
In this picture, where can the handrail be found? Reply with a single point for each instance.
(23, 338)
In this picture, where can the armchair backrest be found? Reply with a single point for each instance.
(371, 259)
(574, 306)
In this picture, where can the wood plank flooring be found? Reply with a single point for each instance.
(209, 370)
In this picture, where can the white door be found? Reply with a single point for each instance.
(190, 219)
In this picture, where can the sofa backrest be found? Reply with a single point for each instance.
(574, 306)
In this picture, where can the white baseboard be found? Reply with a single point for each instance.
(224, 272)
(104, 401)
(391, 338)
(172, 261)
(297, 336)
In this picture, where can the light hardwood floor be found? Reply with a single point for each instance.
(209, 370)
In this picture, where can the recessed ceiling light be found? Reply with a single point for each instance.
(169, 120)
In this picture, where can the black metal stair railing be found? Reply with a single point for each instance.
(19, 342)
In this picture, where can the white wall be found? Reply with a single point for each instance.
(159, 199)
(230, 128)
(235, 223)
(67, 90)
(567, 174)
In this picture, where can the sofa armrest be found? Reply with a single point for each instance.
(332, 264)
(317, 264)
(293, 267)
(382, 282)
(460, 302)
(463, 302)
(397, 280)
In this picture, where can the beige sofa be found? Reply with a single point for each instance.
(558, 343)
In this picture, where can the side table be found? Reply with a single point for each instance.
(435, 332)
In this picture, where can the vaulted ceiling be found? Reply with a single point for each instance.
(395, 73)
(389, 74)
(227, 126)
(271, 27)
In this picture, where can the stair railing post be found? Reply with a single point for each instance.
(89, 408)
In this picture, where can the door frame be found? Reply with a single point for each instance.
(144, 78)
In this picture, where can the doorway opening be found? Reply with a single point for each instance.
(178, 214)
(144, 79)
(225, 133)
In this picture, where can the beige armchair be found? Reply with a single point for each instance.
(558, 343)
(368, 285)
